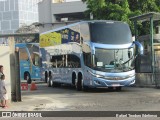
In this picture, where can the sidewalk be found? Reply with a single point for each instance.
(31, 100)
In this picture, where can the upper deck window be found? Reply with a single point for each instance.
(110, 33)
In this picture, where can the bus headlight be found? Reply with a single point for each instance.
(99, 76)
(96, 75)
(131, 75)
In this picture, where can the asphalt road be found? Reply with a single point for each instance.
(66, 98)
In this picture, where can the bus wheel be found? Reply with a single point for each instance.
(79, 82)
(73, 79)
(118, 88)
(46, 77)
(78, 86)
(28, 78)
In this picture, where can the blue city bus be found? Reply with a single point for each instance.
(90, 54)
(29, 61)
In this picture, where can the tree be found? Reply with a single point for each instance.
(96, 7)
(28, 29)
(144, 6)
(116, 7)
(122, 10)
(109, 9)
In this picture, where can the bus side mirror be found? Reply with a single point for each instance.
(140, 47)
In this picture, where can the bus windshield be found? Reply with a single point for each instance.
(110, 33)
(117, 60)
(36, 59)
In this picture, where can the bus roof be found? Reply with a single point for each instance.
(91, 21)
(24, 44)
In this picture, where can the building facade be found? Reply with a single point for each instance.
(57, 13)
(16, 13)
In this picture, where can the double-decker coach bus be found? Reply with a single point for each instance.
(96, 54)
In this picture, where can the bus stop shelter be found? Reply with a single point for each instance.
(151, 18)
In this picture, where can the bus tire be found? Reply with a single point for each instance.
(74, 78)
(46, 77)
(78, 86)
(79, 82)
(28, 78)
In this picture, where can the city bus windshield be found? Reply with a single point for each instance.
(117, 60)
(36, 59)
(110, 33)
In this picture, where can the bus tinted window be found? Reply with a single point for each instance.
(87, 55)
(73, 61)
(110, 33)
(57, 61)
(87, 59)
(60, 61)
(35, 60)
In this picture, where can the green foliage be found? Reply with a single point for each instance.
(122, 10)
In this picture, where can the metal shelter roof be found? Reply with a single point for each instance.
(146, 17)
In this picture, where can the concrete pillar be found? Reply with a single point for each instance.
(17, 71)
(12, 68)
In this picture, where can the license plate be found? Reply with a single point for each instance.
(115, 85)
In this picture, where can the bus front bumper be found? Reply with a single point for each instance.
(99, 82)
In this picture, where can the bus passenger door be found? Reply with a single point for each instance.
(24, 63)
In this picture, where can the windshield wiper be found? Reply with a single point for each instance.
(128, 60)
